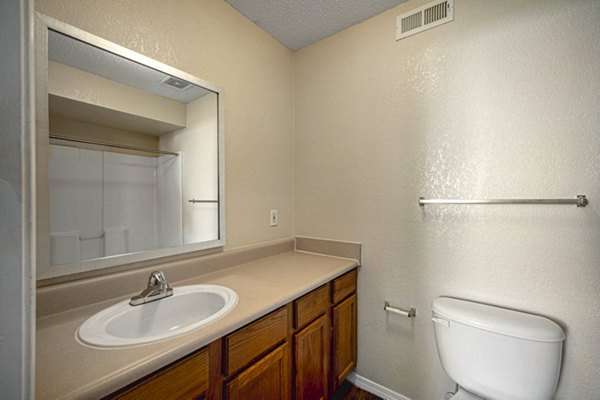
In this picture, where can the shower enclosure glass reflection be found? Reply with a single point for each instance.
(105, 203)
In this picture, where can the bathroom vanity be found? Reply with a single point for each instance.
(292, 334)
(307, 346)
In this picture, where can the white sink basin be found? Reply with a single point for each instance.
(189, 308)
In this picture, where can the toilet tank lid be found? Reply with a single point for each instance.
(498, 320)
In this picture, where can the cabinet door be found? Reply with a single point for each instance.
(186, 379)
(268, 378)
(312, 360)
(344, 339)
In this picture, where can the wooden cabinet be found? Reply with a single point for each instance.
(184, 379)
(254, 339)
(344, 339)
(268, 378)
(311, 306)
(343, 320)
(344, 286)
(303, 351)
(311, 347)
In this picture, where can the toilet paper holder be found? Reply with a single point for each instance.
(410, 313)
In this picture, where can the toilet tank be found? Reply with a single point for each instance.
(496, 353)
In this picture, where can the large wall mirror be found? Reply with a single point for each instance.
(129, 155)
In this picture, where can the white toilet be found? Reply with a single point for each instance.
(497, 354)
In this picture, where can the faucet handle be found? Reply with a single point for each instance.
(157, 278)
(151, 293)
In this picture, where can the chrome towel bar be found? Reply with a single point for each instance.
(412, 313)
(194, 201)
(580, 201)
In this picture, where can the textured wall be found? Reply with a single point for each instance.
(502, 102)
(210, 39)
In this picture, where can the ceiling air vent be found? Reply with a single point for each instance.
(176, 83)
(423, 18)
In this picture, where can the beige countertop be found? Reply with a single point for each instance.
(67, 369)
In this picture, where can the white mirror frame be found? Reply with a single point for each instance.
(45, 270)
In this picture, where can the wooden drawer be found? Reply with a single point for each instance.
(185, 379)
(311, 306)
(249, 342)
(344, 286)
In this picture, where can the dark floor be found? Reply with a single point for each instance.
(348, 391)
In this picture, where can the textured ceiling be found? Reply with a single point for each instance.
(297, 23)
(77, 54)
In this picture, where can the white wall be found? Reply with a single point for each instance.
(199, 144)
(502, 102)
(17, 260)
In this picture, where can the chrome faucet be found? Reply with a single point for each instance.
(158, 288)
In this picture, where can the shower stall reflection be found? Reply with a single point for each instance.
(105, 203)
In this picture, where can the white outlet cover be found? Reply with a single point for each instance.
(273, 218)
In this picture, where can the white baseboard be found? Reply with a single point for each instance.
(374, 388)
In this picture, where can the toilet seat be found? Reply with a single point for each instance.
(464, 395)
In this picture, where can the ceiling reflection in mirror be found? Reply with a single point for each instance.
(133, 157)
